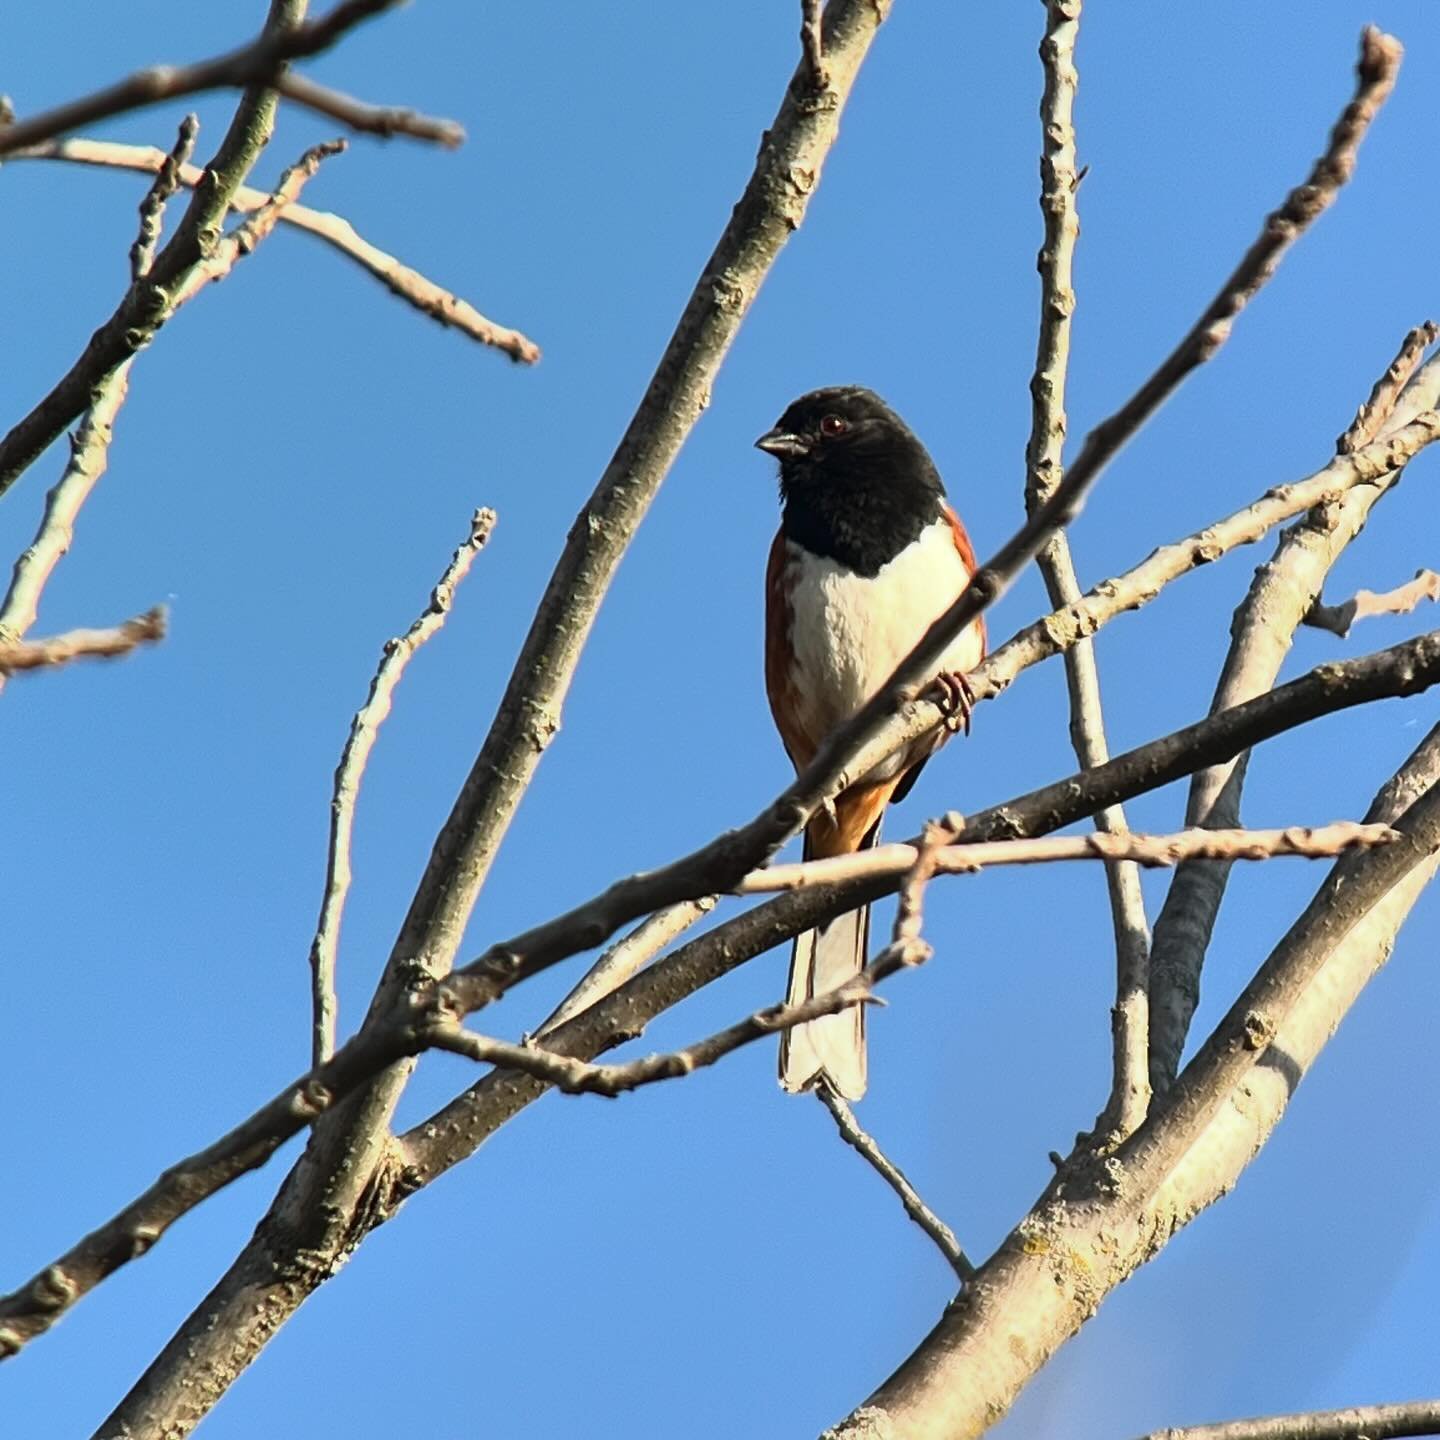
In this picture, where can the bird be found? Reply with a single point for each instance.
(868, 554)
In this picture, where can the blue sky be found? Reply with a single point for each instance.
(300, 453)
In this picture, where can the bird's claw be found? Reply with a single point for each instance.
(956, 699)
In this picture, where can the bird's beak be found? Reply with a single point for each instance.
(783, 445)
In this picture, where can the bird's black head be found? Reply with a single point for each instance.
(856, 483)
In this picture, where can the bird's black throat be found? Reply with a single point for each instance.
(862, 515)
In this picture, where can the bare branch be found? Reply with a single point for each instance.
(258, 226)
(626, 956)
(385, 121)
(152, 207)
(150, 301)
(1262, 632)
(812, 44)
(574, 1077)
(1105, 1214)
(864, 1144)
(1359, 1422)
(1130, 1085)
(351, 1160)
(260, 63)
(364, 730)
(725, 861)
(89, 454)
(400, 279)
(1364, 603)
(1371, 418)
(1322, 842)
(458, 1129)
(82, 644)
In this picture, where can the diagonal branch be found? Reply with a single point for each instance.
(150, 301)
(1130, 1019)
(1280, 596)
(1359, 1422)
(364, 730)
(1104, 1215)
(400, 279)
(260, 63)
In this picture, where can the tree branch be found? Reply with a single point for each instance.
(1281, 594)
(1364, 603)
(893, 861)
(260, 63)
(1105, 1214)
(345, 1182)
(915, 1207)
(1130, 1021)
(406, 283)
(60, 650)
(1359, 1422)
(457, 1130)
(364, 730)
(150, 301)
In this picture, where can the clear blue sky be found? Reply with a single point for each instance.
(299, 455)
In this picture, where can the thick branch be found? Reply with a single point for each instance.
(260, 63)
(408, 284)
(1359, 1422)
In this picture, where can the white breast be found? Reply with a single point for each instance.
(849, 632)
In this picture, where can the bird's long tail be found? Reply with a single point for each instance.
(831, 1050)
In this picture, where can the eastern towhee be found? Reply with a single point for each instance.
(868, 555)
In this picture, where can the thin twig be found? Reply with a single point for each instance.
(59, 650)
(907, 946)
(150, 301)
(400, 279)
(575, 1077)
(864, 1144)
(812, 43)
(1371, 417)
(152, 207)
(364, 730)
(1309, 842)
(1364, 603)
(257, 226)
(625, 957)
(260, 63)
(382, 120)
(89, 453)
(1130, 1019)
(1359, 1422)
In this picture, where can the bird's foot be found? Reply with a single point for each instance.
(956, 698)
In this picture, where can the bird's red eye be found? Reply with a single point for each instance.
(834, 425)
